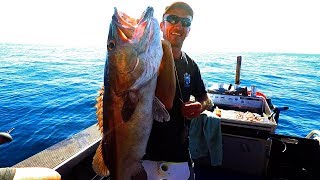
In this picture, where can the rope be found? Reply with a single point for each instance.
(7, 173)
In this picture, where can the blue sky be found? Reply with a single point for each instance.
(218, 26)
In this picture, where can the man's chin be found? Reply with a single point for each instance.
(176, 42)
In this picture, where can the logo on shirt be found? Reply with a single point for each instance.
(187, 80)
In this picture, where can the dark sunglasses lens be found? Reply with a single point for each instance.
(172, 19)
(185, 22)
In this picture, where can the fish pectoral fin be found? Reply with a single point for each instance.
(98, 164)
(160, 113)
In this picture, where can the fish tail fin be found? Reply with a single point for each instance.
(98, 164)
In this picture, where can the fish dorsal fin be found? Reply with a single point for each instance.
(99, 108)
(160, 113)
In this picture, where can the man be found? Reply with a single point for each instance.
(167, 155)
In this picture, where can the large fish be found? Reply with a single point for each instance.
(127, 104)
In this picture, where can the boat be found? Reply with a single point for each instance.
(251, 149)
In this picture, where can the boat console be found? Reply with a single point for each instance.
(246, 125)
(243, 109)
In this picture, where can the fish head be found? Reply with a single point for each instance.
(134, 51)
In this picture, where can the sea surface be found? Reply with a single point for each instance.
(47, 93)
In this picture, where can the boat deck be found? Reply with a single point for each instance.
(72, 158)
(67, 153)
(84, 171)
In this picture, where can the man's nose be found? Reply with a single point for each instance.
(179, 24)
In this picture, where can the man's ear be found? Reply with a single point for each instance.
(188, 32)
(161, 25)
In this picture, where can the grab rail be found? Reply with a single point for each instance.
(312, 133)
(315, 134)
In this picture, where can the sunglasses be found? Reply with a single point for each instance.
(173, 19)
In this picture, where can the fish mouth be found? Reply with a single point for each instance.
(131, 37)
(127, 26)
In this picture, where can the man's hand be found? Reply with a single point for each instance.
(191, 109)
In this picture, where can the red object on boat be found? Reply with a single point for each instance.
(258, 93)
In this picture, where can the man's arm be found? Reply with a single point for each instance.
(205, 102)
(166, 84)
(194, 109)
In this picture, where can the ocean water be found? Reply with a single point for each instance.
(47, 93)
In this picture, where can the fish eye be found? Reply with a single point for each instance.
(111, 45)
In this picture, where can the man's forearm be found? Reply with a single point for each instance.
(166, 84)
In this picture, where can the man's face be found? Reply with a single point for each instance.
(176, 26)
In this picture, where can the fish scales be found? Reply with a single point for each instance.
(126, 105)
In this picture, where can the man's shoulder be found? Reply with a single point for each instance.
(189, 59)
